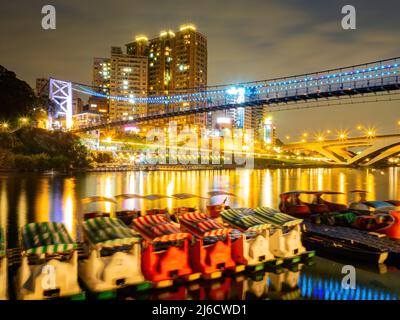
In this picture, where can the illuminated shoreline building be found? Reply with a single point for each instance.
(178, 65)
(128, 80)
(101, 84)
(172, 63)
(269, 132)
(101, 75)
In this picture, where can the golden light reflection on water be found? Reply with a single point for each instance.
(69, 206)
(57, 197)
(3, 205)
(22, 208)
(42, 201)
(394, 181)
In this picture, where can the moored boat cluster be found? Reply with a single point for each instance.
(158, 248)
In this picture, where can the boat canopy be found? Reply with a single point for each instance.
(46, 238)
(329, 192)
(358, 191)
(183, 196)
(379, 204)
(146, 197)
(156, 228)
(93, 199)
(178, 196)
(244, 218)
(103, 232)
(203, 226)
(276, 218)
(2, 243)
(129, 196)
(215, 193)
(156, 197)
(295, 192)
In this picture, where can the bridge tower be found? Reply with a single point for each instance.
(61, 95)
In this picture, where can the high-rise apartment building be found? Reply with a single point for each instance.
(101, 74)
(172, 63)
(101, 82)
(128, 80)
(178, 64)
(138, 48)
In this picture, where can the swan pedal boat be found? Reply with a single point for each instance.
(49, 264)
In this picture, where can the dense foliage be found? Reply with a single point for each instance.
(16, 96)
(38, 149)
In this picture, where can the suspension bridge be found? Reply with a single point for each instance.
(378, 78)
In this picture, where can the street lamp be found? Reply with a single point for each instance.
(370, 133)
(24, 120)
(342, 135)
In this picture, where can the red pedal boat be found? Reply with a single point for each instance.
(212, 251)
(165, 254)
(332, 207)
(214, 210)
(292, 205)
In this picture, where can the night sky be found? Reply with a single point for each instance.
(247, 40)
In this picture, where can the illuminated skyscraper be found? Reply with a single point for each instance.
(129, 82)
(139, 47)
(101, 74)
(101, 83)
(178, 64)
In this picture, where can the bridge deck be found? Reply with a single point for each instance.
(363, 79)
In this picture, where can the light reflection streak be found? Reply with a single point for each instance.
(3, 205)
(42, 201)
(69, 206)
(22, 211)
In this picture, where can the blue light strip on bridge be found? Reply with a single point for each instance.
(270, 87)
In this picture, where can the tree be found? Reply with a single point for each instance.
(16, 96)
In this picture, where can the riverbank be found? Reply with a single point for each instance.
(166, 167)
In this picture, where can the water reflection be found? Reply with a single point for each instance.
(31, 197)
(321, 280)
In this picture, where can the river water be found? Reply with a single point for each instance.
(27, 197)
